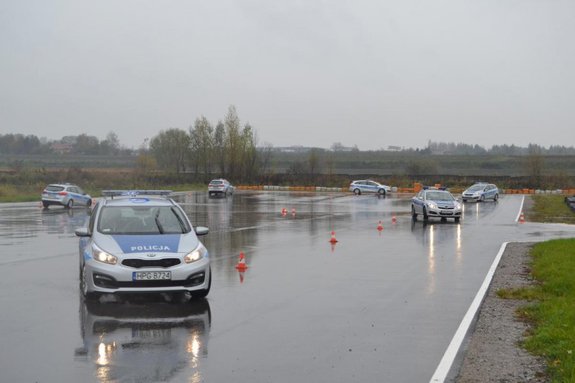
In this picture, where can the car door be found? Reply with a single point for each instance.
(372, 187)
(417, 203)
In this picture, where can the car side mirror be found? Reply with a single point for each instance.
(201, 230)
(83, 232)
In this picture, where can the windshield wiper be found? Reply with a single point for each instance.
(182, 225)
(158, 224)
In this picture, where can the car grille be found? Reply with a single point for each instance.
(142, 263)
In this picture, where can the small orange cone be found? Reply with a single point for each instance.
(241, 265)
(333, 240)
(393, 219)
(284, 211)
(379, 226)
(522, 218)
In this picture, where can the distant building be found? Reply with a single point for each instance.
(61, 148)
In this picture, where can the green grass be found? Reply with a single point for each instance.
(550, 208)
(552, 310)
(12, 193)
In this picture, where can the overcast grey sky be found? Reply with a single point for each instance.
(301, 72)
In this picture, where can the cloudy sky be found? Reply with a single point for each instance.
(301, 72)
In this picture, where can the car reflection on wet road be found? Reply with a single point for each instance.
(376, 306)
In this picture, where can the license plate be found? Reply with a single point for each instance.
(151, 275)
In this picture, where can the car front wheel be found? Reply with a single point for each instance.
(413, 213)
(88, 295)
(203, 293)
(356, 191)
(425, 216)
(381, 192)
(496, 197)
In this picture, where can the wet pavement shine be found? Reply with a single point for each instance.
(377, 306)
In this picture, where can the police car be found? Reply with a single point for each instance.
(368, 186)
(480, 192)
(432, 202)
(66, 195)
(141, 241)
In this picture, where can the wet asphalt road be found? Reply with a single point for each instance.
(376, 307)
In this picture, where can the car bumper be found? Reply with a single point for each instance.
(444, 213)
(103, 278)
(470, 197)
(54, 201)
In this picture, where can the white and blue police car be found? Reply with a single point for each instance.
(66, 194)
(141, 241)
(480, 192)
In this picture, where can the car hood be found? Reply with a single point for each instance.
(445, 203)
(161, 243)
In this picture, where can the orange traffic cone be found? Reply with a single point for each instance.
(379, 226)
(522, 218)
(333, 240)
(241, 265)
(393, 219)
(284, 211)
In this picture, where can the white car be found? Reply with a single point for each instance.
(368, 186)
(142, 242)
(435, 203)
(220, 186)
(480, 192)
(66, 195)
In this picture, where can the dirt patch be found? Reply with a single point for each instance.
(493, 353)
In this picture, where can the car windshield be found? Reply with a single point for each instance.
(439, 196)
(142, 220)
(216, 182)
(475, 188)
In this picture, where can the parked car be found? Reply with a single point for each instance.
(435, 203)
(66, 195)
(221, 187)
(141, 241)
(368, 186)
(480, 192)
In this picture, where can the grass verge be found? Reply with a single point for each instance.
(552, 307)
(550, 208)
(12, 193)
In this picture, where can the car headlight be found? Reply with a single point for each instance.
(101, 256)
(432, 205)
(199, 253)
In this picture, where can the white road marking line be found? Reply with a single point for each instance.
(447, 361)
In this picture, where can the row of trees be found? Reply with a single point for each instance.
(227, 150)
(82, 144)
(452, 148)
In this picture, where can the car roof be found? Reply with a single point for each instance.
(137, 197)
(62, 184)
(139, 201)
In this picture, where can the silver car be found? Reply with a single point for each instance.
(142, 242)
(368, 186)
(221, 187)
(480, 192)
(66, 195)
(435, 203)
